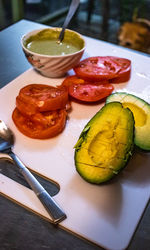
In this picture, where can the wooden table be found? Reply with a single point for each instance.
(22, 229)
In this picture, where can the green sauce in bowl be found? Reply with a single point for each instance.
(45, 42)
(51, 47)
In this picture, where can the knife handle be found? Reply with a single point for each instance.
(48, 202)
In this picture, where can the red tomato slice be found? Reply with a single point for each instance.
(39, 130)
(125, 71)
(124, 77)
(97, 68)
(30, 110)
(90, 92)
(44, 97)
(25, 108)
(69, 80)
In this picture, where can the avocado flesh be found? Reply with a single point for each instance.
(105, 144)
(141, 113)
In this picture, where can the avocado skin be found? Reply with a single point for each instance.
(142, 131)
(88, 163)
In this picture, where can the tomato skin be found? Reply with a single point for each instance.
(25, 108)
(123, 77)
(69, 80)
(74, 79)
(37, 130)
(44, 97)
(98, 68)
(125, 72)
(90, 92)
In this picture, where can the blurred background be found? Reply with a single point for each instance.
(101, 19)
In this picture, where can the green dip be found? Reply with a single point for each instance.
(46, 42)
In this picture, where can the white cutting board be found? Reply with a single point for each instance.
(107, 214)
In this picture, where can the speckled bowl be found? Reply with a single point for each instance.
(54, 66)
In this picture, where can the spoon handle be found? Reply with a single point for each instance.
(52, 208)
(72, 9)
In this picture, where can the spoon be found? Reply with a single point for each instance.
(72, 9)
(6, 144)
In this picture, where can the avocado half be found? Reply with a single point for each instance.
(105, 144)
(141, 113)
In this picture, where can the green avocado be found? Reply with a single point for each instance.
(141, 113)
(105, 144)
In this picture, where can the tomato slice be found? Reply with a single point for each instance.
(54, 123)
(90, 92)
(24, 107)
(74, 79)
(124, 77)
(97, 68)
(107, 67)
(44, 97)
(69, 80)
(124, 73)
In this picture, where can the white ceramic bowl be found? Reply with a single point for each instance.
(55, 65)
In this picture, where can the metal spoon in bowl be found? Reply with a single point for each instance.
(6, 144)
(72, 9)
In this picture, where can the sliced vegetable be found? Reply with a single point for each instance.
(97, 68)
(108, 67)
(44, 97)
(52, 124)
(69, 80)
(74, 79)
(125, 71)
(24, 107)
(90, 92)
